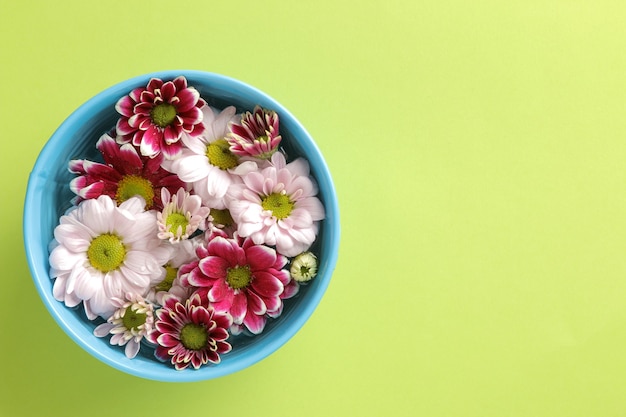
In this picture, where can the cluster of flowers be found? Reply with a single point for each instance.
(193, 228)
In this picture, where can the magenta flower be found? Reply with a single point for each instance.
(243, 279)
(256, 135)
(155, 117)
(123, 175)
(190, 333)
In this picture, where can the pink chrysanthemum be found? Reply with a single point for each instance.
(104, 252)
(243, 279)
(277, 206)
(182, 215)
(190, 333)
(123, 175)
(130, 323)
(155, 117)
(256, 135)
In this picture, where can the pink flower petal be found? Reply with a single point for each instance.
(214, 267)
(188, 100)
(254, 323)
(266, 284)
(220, 291)
(124, 106)
(172, 151)
(260, 257)
(239, 307)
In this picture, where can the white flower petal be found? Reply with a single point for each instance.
(191, 168)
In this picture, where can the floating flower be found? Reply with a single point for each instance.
(184, 253)
(256, 134)
(130, 323)
(105, 252)
(182, 215)
(124, 174)
(207, 162)
(304, 267)
(245, 280)
(278, 206)
(190, 333)
(155, 117)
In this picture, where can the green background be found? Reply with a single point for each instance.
(478, 152)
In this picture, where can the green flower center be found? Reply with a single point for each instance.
(304, 270)
(175, 220)
(132, 185)
(278, 203)
(193, 336)
(132, 319)
(222, 217)
(170, 276)
(106, 252)
(163, 114)
(238, 277)
(219, 154)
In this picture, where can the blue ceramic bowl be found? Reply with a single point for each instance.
(48, 197)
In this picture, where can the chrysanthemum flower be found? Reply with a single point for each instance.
(123, 175)
(183, 253)
(256, 134)
(182, 215)
(207, 163)
(241, 278)
(155, 117)
(278, 206)
(105, 251)
(190, 333)
(130, 323)
(304, 267)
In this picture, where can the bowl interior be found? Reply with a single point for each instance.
(48, 196)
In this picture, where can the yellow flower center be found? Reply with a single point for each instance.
(106, 252)
(132, 319)
(279, 204)
(219, 154)
(193, 336)
(132, 185)
(177, 219)
(170, 276)
(163, 114)
(222, 217)
(238, 277)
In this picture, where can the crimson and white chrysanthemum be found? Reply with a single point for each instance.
(123, 175)
(277, 206)
(206, 161)
(182, 215)
(130, 323)
(105, 251)
(256, 134)
(157, 116)
(190, 333)
(246, 280)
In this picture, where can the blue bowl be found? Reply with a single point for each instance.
(48, 197)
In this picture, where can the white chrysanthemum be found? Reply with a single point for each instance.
(182, 215)
(278, 206)
(105, 252)
(206, 161)
(130, 323)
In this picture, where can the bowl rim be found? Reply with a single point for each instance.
(37, 257)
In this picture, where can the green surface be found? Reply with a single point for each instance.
(478, 152)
